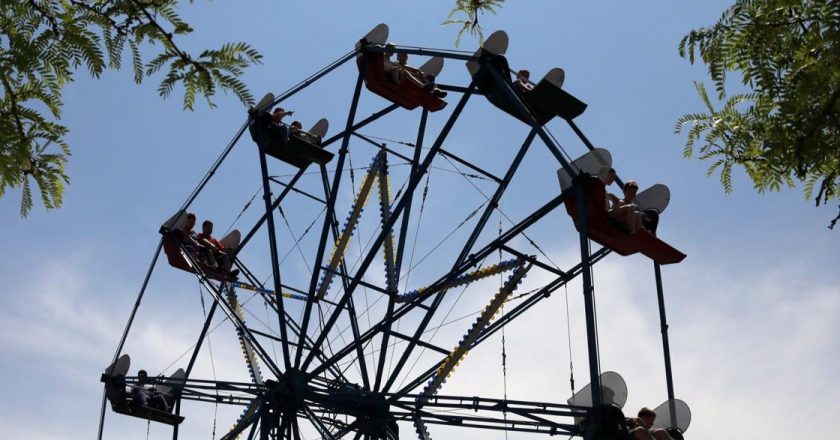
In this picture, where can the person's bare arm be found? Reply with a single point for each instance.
(615, 201)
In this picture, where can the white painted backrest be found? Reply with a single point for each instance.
(613, 391)
(656, 197)
(231, 240)
(377, 35)
(496, 43)
(555, 76)
(177, 221)
(266, 102)
(594, 162)
(682, 413)
(167, 385)
(433, 66)
(119, 367)
(320, 128)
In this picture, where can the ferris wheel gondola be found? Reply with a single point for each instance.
(119, 391)
(299, 149)
(376, 69)
(545, 100)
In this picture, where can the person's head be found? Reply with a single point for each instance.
(142, 374)
(207, 227)
(630, 189)
(190, 223)
(523, 75)
(402, 58)
(647, 417)
(389, 50)
(296, 125)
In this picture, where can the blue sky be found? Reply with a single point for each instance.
(751, 310)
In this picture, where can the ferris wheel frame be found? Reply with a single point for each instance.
(299, 387)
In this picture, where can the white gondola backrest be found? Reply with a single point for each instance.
(682, 415)
(115, 391)
(176, 381)
(377, 35)
(555, 76)
(432, 67)
(320, 128)
(656, 197)
(266, 102)
(596, 162)
(119, 367)
(613, 392)
(177, 221)
(231, 240)
(496, 43)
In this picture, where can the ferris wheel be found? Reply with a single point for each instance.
(358, 298)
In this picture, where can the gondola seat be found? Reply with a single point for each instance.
(146, 413)
(122, 403)
(549, 98)
(602, 230)
(406, 94)
(175, 254)
(545, 101)
(296, 151)
(175, 257)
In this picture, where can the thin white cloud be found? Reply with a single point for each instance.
(746, 351)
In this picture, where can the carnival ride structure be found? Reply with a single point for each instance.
(344, 371)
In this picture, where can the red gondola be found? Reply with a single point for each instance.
(177, 259)
(175, 253)
(603, 231)
(406, 94)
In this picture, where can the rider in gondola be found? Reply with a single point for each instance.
(296, 129)
(144, 394)
(523, 81)
(625, 211)
(642, 427)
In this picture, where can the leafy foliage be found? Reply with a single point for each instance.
(42, 45)
(471, 9)
(787, 129)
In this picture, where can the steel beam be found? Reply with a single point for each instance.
(666, 348)
(328, 219)
(397, 211)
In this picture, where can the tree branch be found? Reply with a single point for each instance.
(14, 104)
(105, 15)
(48, 16)
(168, 35)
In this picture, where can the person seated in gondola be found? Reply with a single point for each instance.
(400, 72)
(390, 68)
(186, 236)
(296, 129)
(221, 257)
(145, 394)
(271, 125)
(277, 128)
(523, 81)
(650, 217)
(625, 211)
(640, 427)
